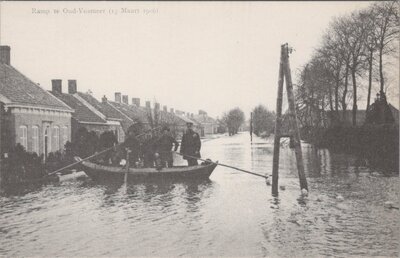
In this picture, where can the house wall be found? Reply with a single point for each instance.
(5, 131)
(42, 119)
(208, 128)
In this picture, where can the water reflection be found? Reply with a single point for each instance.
(232, 214)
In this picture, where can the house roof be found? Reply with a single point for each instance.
(104, 108)
(187, 119)
(394, 109)
(18, 89)
(395, 113)
(204, 119)
(82, 112)
(132, 112)
(170, 118)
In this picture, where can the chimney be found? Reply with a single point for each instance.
(192, 115)
(156, 106)
(5, 55)
(125, 99)
(172, 110)
(72, 86)
(56, 85)
(136, 102)
(148, 105)
(165, 108)
(118, 97)
(104, 99)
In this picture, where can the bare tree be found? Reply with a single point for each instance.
(370, 45)
(386, 30)
(350, 48)
(341, 32)
(356, 40)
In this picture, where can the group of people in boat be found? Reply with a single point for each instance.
(155, 150)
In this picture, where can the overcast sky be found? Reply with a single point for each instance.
(189, 56)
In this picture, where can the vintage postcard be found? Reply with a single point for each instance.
(199, 129)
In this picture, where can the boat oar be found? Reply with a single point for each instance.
(81, 160)
(223, 165)
(98, 153)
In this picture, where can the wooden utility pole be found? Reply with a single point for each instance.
(285, 73)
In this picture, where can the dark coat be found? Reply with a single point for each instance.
(165, 143)
(191, 144)
(133, 144)
(108, 139)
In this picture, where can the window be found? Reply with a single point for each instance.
(46, 140)
(23, 139)
(35, 139)
(56, 136)
(64, 135)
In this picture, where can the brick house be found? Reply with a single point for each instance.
(32, 116)
(209, 125)
(87, 115)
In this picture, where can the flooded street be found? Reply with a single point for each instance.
(232, 214)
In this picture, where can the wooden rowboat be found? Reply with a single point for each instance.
(103, 173)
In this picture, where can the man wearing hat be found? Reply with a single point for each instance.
(164, 147)
(191, 145)
(132, 144)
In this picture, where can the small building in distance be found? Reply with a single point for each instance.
(208, 124)
(32, 116)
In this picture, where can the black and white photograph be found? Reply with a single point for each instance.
(199, 129)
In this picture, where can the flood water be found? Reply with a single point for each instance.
(232, 214)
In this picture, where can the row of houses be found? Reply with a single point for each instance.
(43, 121)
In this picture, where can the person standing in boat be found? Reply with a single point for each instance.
(164, 146)
(133, 144)
(107, 140)
(148, 150)
(191, 145)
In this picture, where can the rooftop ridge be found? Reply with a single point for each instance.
(89, 106)
(37, 86)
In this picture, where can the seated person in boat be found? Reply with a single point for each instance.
(191, 145)
(132, 143)
(164, 146)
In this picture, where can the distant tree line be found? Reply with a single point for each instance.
(354, 53)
